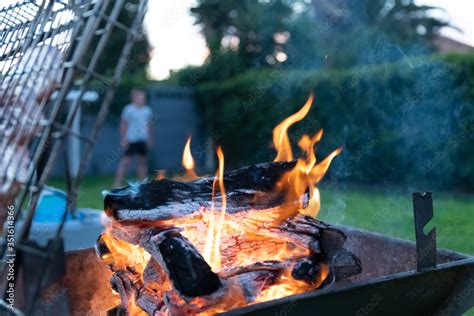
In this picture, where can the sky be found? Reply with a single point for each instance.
(177, 41)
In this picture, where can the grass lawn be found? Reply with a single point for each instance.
(389, 213)
(90, 193)
(392, 214)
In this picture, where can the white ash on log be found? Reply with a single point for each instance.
(165, 224)
(166, 199)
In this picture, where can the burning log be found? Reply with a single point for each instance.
(160, 218)
(166, 199)
(195, 287)
(133, 293)
(217, 243)
(188, 271)
(176, 269)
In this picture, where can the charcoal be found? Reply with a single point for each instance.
(101, 248)
(188, 271)
(117, 311)
(149, 301)
(306, 269)
(153, 274)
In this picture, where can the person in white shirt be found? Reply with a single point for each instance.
(135, 135)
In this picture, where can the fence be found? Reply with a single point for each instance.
(174, 118)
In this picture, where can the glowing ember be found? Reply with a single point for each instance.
(259, 249)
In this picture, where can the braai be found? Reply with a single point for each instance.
(227, 241)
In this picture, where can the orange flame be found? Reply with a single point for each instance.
(289, 286)
(212, 252)
(281, 140)
(123, 253)
(133, 309)
(188, 162)
(306, 173)
(160, 175)
(220, 225)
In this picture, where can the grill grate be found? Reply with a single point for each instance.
(46, 46)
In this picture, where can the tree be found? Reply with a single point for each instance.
(401, 18)
(309, 34)
(254, 30)
(359, 25)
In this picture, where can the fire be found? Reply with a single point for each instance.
(229, 240)
(188, 162)
(288, 286)
(123, 254)
(134, 309)
(212, 250)
(160, 174)
(306, 173)
(280, 133)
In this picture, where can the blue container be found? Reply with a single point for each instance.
(51, 206)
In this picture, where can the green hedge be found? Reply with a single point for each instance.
(410, 122)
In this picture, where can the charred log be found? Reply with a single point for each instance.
(149, 301)
(167, 199)
(122, 284)
(153, 276)
(127, 283)
(188, 271)
(274, 266)
(117, 311)
(307, 269)
(252, 283)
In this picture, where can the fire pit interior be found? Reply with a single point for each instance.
(212, 244)
(388, 284)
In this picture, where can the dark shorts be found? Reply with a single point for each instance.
(136, 148)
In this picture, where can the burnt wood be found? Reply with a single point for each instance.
(325, 243)
(188, 271)
(153, 275)
(123, 282)
(178, 279)
(149, 301)
(127, 283)
(307, 269)
(253, 282)
(167, 199)
(274, 266)
(117, 311)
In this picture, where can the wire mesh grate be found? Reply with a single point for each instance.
(50, 47)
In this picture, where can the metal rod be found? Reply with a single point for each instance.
(110, 92)
(425, 244)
